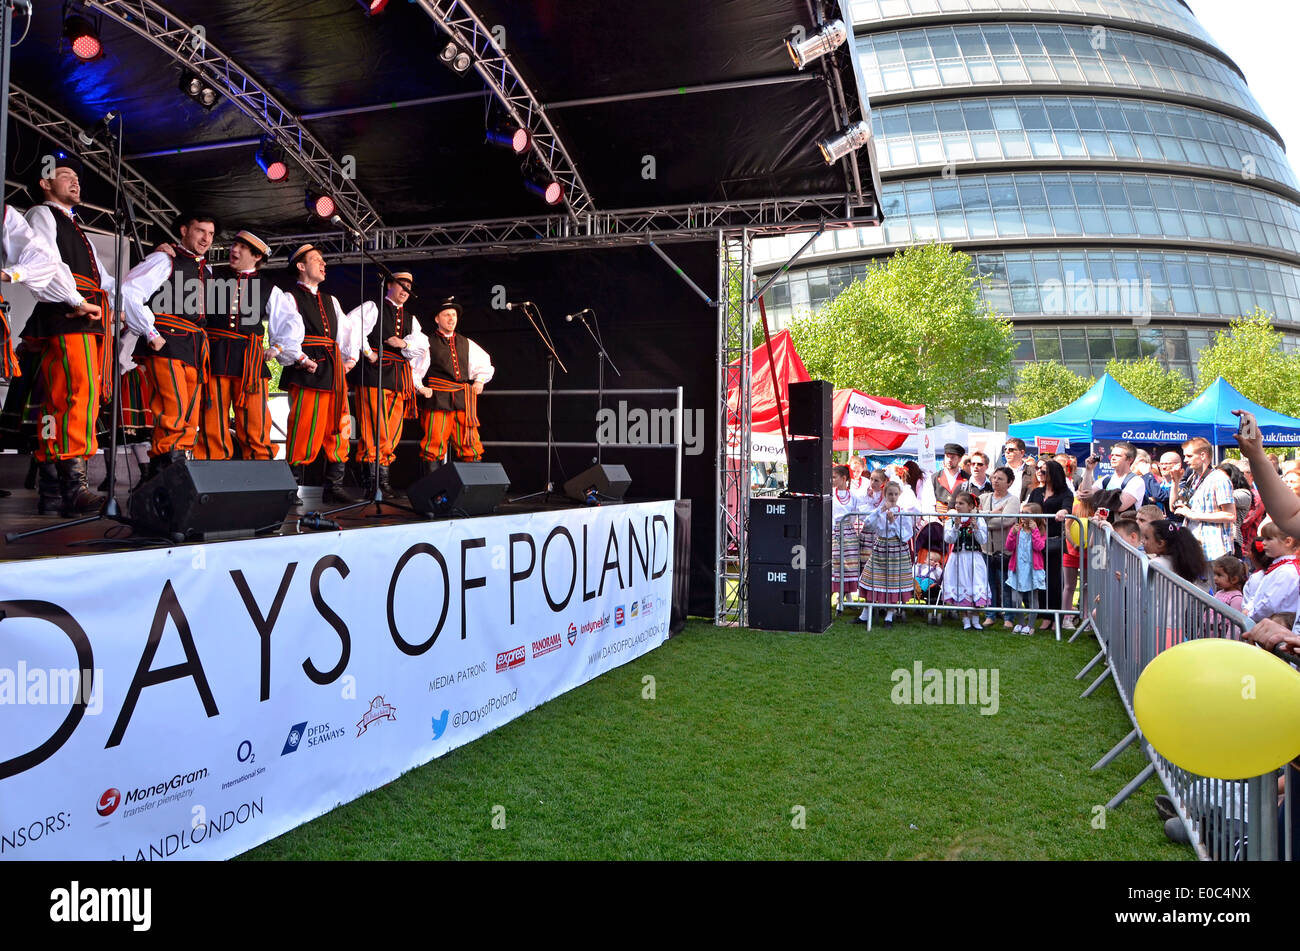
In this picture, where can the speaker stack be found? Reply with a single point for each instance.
(790, 537)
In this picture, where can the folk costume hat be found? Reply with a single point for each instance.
(254, 242)
(450, 304)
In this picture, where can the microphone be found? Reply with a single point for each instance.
(99, 130)
(317, 522)
(519, 305)
(568, 318)
(338, 222)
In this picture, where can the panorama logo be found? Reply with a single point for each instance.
(619, 616)
(573, 633)
(544, 645)
(109, 800)
(515, 657)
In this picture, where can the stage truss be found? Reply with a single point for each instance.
(735, 332)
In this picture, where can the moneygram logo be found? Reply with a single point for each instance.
(108, 802)
(515, 657)
(573, 633)
(552, 642)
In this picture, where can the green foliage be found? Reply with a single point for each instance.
(1146, 379)
(916, 330)
(1045, 387)
(1249, 356)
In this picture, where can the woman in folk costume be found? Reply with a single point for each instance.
(966, 574)
(844, 528)
(888, 578)
(872, 500)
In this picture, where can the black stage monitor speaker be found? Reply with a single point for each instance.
(783, 598)
(810, 466)
(810, 409)
(777, 525)
(208, 500)
(604, 483)
(460, 488)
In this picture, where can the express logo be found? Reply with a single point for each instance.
(619, 618)
(108, 802)
(378, 711)
(573, 633)
(515, 657)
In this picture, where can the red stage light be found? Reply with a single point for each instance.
(83, 38)
(322, 206)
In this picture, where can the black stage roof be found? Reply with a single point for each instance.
(653, 103)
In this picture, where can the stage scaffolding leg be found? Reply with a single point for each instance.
(735, 277)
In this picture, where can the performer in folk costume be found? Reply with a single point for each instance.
(888, 577)
(458, 370)
(313, 338)
(394, 341)
(32, 261)
(844, 524)
(966, 574)
(165, 297)
(74, 339)
(237, 373)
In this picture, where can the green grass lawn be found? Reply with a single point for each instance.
(745, 727)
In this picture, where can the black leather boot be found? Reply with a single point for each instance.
(49, 500)
(333, 490)
(78, 499)
(297, 477)
(428, 466)
(385, 486)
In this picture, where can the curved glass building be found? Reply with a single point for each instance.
(1102, 161)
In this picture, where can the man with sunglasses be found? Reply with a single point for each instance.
(979, 484)
(1014, 451)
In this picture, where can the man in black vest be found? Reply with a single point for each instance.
(949, 480)
(458, 370)
(75, 351)
(308, 329)
(165, 299)
(237, 373)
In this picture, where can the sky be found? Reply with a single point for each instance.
(1260, 36)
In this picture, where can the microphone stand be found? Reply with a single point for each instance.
(602, 357)
(122, 209)
(376, 496)
(552, 358)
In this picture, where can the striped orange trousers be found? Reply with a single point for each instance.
(174, 398)
(252, 422)
(70, 370)
(449, 427)
(316, 422)
(390, 424)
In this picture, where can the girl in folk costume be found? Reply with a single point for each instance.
(888, 578)
(843, 506)
(859, 481)
(966, 575)
(1278, 589)
(874, 498)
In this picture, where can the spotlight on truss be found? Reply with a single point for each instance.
(83, 37)
(270, 159)
(507, 135)
(199, 89)
(829, 37)
(322, 206)
(835, 147)
(455, 56)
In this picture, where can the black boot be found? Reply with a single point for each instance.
(333, 490)
(297, 477)
(29, 483)
(78, 499)
(49, 500)
(385, 487)
(428, 466)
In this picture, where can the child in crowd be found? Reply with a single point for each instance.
(844, 525)
(1229, 576)
(1175, 548)
(888, 577)
(1278, 588)
(1146, 514)
(1129, 530)
(966, 576)
(1026, 571)
(928, 575)
(873, 499)
(1256, 563)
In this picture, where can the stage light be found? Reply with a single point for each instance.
(270, 159)
(835, 147)
(543, 186)
(373, 7)
(322, 206)
(455, 57)
(198, 90)
(510, 136)
(83, 37)
(828, 38)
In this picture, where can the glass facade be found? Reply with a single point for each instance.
(1164, 208)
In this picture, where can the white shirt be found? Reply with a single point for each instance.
(141, 283)
(33, 262)
(1277, 592)
(481, 369)
(416, 350)
(903, 526)
(41, 220)
(286, 328)
(1134, 486)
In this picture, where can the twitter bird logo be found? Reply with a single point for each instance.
(440, 724)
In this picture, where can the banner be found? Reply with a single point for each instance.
(867, 412)
(194, 702)
(1050, 446)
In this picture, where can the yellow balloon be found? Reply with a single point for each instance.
(1220, 708)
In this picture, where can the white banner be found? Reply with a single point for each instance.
(235, 690)
(863, 412)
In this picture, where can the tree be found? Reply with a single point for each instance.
(1045, 387)
(1249, 356)
(1146, 379)
(916, 330)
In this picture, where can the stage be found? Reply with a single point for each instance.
(194, 701)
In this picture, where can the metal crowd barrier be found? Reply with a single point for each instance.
(1002, 595)
(1139, 609)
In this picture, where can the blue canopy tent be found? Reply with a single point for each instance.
(1216, 404)
(1109, 412)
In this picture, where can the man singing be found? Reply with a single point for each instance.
(165, 299)
(237, 372)
(458, 370)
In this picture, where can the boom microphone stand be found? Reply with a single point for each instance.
(552, 359)
(602, 357)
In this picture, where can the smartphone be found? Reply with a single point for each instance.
(1247, 428)
(1103, 513)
